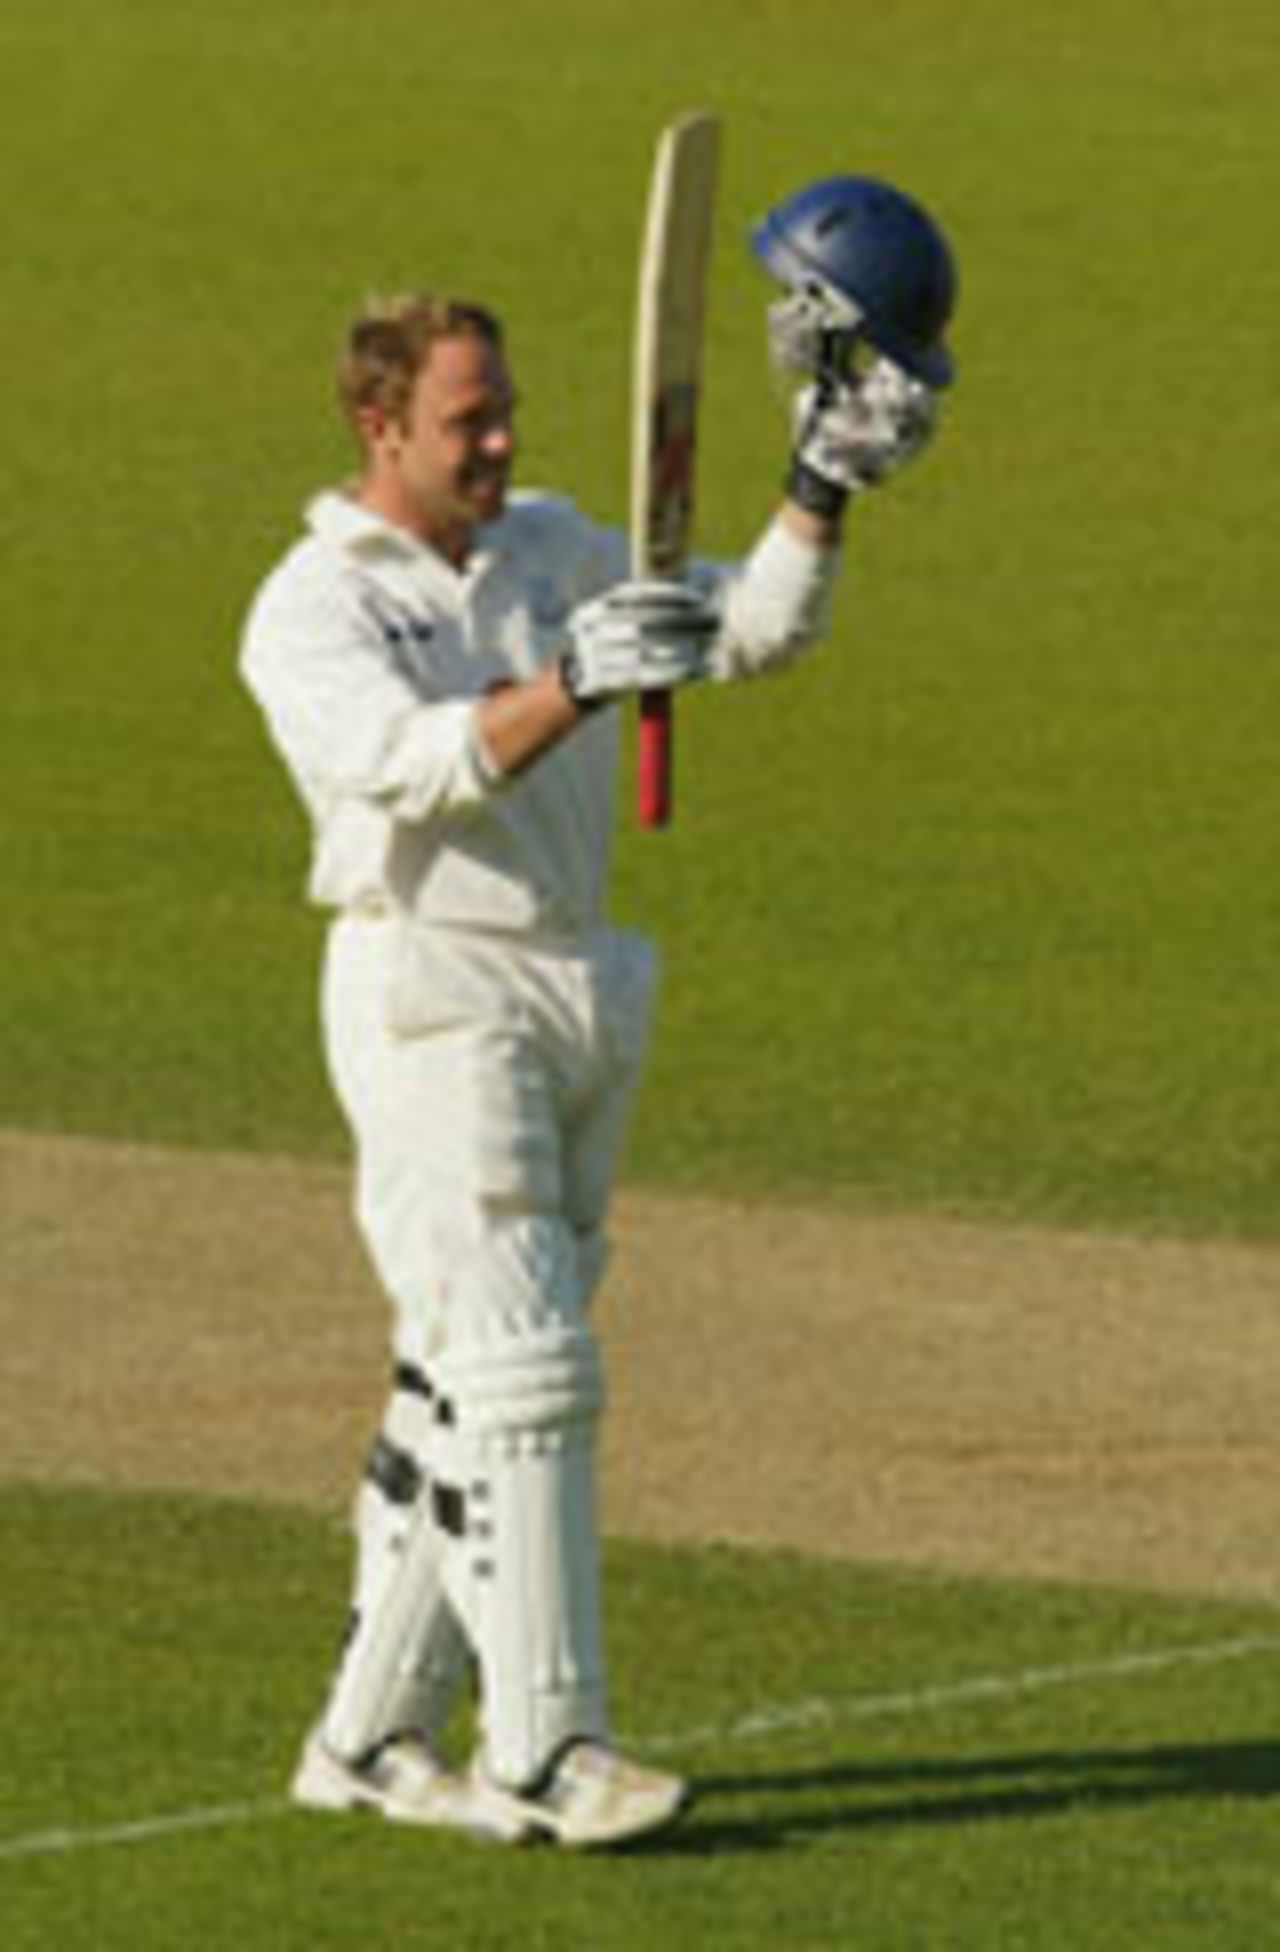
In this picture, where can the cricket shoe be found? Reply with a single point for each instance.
(593, 1797)
(405, 1783)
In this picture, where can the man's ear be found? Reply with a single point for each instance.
(375, 426)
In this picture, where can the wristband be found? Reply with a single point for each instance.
(813, 492)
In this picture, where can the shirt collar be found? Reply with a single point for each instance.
(337, 518)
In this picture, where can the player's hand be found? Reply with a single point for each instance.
(641, 636)
(852, 436)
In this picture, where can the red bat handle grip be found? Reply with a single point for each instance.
(654, 757)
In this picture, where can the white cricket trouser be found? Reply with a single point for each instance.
(484, 1079)
(487, 1083)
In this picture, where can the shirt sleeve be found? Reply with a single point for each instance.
(776, 604)
(350, 725)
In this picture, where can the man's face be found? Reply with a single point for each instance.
(443, 472)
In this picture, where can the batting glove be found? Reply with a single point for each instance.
(640, 636)
(852, 436)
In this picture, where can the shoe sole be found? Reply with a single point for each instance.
(326, 1786)
(609, 1836)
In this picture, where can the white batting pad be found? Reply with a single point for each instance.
(406, 1657)
(525, 1573)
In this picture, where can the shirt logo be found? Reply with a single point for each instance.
(415, 630)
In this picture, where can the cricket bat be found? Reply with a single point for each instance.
(666, 383)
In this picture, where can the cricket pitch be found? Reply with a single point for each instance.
(912, 1390)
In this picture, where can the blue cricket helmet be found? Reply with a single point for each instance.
(880, 250)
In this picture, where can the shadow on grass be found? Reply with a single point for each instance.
(790, 1805)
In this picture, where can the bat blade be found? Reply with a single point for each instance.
(667, 381)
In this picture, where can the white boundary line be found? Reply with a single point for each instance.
(58, 1843)
(755, 1727)
(958, 1694)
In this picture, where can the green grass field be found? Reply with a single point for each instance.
(880, 1760)
(977, 911)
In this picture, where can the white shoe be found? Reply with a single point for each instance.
(405, 1783)
(595, 1796)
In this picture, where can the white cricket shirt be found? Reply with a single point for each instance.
(367, 652)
